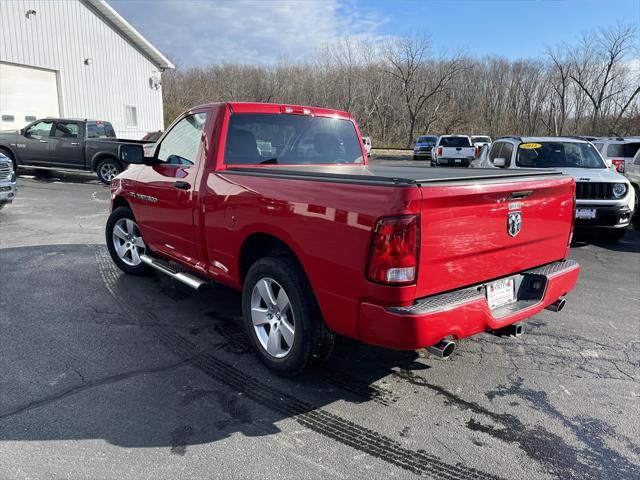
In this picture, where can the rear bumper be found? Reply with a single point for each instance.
(455, 162)
(422, 154)
(465, 312)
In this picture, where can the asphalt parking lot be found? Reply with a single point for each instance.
(111, 376)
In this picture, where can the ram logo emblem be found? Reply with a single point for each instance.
(514, 223)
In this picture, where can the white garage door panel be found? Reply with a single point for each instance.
(27, 91)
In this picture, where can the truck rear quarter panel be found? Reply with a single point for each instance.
(327, 225)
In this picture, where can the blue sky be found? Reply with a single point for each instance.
(199, 33)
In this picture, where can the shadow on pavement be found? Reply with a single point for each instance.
(58, 176)
(90, 353)
(113, 362)
(629, 243)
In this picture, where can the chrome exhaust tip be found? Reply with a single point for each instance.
(558, 305)
(443, 349)
(513, 330)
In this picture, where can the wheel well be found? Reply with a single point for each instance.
(10, 155)
(103, 156)
(260, 245)
(120, 202)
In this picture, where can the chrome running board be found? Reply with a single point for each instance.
(186, 278)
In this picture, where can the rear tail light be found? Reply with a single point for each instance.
(573, 219)
(619, 164)
(394, 251)
(439, 151)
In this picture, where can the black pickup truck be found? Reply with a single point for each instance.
(66, 144)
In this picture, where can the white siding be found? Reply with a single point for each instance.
(59, 37)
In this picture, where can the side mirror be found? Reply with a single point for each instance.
(499, 162)
(131, 153)
(21, 131)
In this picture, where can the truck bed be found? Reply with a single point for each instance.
(390, 175)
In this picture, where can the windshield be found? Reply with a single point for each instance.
(255, 139)
(481, 139)
(455, 142)
(558, 155)
(427, 140)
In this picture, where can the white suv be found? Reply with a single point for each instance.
(604, 199)
(617, 151)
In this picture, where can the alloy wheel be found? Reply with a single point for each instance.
(128, 242)
(272, 316)
(108, 171)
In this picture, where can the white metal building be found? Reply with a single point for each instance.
(77, 59)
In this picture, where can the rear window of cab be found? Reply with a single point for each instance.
(455, 142)
(254, 139)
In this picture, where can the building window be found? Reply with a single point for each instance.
(29, 118)
(132, 116)
(8, 118)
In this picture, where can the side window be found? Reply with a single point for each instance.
(40, 129)
(180, 145)
(66, 130)
(100, 130)
(506, 152)
(495, 150)
(615, 150)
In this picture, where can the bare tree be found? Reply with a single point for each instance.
(596, 63)
(397, 89)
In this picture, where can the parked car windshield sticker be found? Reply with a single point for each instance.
(530, 146)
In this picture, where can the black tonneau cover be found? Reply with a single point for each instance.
(389, 175)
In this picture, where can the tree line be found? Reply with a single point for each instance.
(398, 88)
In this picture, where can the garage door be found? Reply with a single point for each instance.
(26, 93)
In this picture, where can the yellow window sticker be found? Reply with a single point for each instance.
(530, 146)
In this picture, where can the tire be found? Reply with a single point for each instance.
(129, 262)
(9, 155)
(108, 168)
(614, 234)
(311, 340)
(415, 157)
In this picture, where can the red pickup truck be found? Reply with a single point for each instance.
(279, 201)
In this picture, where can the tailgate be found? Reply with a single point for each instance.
(458, 152)
(465, 236)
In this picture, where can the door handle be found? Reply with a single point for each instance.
(43, 141)
(182, 185)
(75, 143)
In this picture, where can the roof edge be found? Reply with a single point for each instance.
(125, 28)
